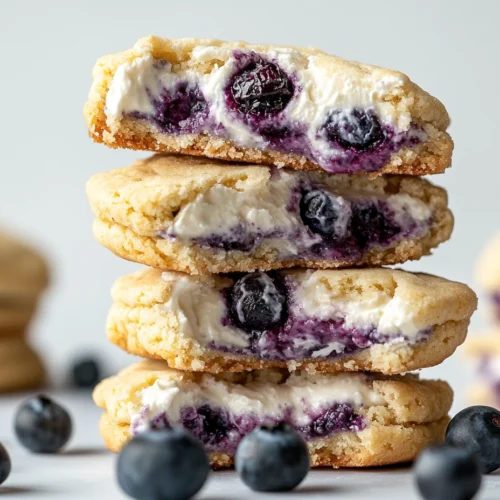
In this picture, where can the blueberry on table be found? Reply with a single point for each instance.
(356, 129)
(272, 459)
(86, 373)
(5, 464)
(162, 465)
(477, 429)
(41, 425)
(257, 303)
(261, 88)
(444, 472)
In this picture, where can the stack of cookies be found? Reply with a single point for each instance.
(23, 277)
(287, 177)
(484, 350)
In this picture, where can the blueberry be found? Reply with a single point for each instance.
(446, 472)
(181, 109)
(85, 373)
(272, 459)
(477, 428)
(42, 426)
(162, 465)
(5, 464)
(261, 88)
(356, 129)
(210, 425)
(325, 214)
(257, 303)
(370, 225)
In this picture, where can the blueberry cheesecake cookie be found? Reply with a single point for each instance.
(488, 275)
(380, 320)
(20, 366)
(203, 216)
(484, 351)
(273, 105)
(351, 420)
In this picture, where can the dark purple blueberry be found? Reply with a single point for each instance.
(162, 465)
(272, 459)
(5, 464)
(261, 88)
(181, 109)
(446, 472)
(477, 429)
(370, 225)
(257, 303)
(42, 426)
(356, 129)
(207, 424)
(338, 418)
(325, 214)
(86, 373)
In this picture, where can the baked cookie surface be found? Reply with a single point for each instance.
(380, 320)
(346, 419)
(273, 105)
(198, 215)
(488, 275)
(20, 366)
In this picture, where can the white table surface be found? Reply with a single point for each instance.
(86, 470)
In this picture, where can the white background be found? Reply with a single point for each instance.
(48, 48)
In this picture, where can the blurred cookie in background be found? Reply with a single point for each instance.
(488, 276)
(484, 351)
(24, 276)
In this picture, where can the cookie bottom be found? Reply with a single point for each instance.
(20, 366)
(430, 157)
(170, 255)
(374, 446)
(389, 359)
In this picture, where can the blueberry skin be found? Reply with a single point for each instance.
(477, 429)
(86, 373)
(5, 464)
(272, 459)
(163, 465)
(447, 472)
(41, 425)
(261, 89)
(322, 214)
(356, 129)
(257, 303)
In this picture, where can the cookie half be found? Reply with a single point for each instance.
(351, 420)
(198, 216)
(380, 320)
(273, 105)
(488, 275)
(20, 366)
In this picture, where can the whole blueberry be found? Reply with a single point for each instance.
(257, 303)
(356, 129)
(447, 472)
(477, 429)
(369, 224)
(162, 465)
(5, 464)
(261, 88)
(42, 426)
(86, 373)
(325, 214)
(272, 459)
